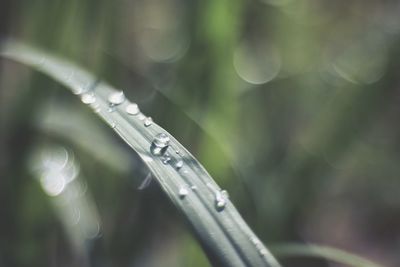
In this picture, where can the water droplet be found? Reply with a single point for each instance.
(148, 121)
(259, 246)
(161, 140)
(160, 144)
(132, 109)
(166, 158)
(179, 164)
(183, 192)
(113, 125)
(193, 187)
(88, 98)
(111, 109)
(177, 152)
(116, 98)
(221, 198)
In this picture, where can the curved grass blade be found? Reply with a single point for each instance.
(225, 237)
(325, 252)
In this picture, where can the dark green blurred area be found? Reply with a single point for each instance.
(292, 106)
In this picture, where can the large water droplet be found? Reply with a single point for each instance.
(221, 198)
(88, 98)
(148, 121)
(160, 144)
(116, 98)
(132, 109)
(183, 192)
(161, 140)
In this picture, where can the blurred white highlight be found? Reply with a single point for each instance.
(58, 173)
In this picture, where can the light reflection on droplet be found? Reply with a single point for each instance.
(132, 109)
(160, 144)
(166, 158)
(179, 164)
(88, 98)
(148, 121)
(183, 192)
(221, 198)
(116, 98)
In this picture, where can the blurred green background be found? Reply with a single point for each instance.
(292, 106)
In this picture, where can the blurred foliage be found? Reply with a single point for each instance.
(292, 105)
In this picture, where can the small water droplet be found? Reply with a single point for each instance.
(148, 121)
(88, 98)
(183, 192)
(179, 164)
(193, 187)
(116, 98)
(221, 198)
(259, 246)
(177, 152)
(113, 125)
(166, 158)
(132, 109)
(111, 109)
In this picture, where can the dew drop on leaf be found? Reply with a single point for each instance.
(160, 144)
(166, 158)
(116, 98)
(179, 164)
(183, 192)
(132, 109)
(148, 121)
(88, 98)
(221, 198)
